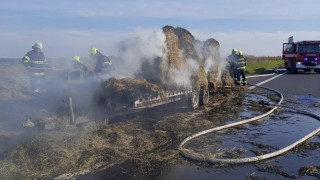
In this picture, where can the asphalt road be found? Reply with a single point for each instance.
(291, 84)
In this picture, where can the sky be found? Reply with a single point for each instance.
(70, 27)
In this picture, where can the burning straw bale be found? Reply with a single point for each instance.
(180, 54)
(177, 58)
(217, 74)
(200, 80)
(125, 91)
(220, 78)
(186, 41)
(151, 71)
(173, 47)
(181, 68)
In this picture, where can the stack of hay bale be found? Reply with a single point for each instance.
(182, 61)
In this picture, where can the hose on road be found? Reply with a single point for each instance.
(211, 159)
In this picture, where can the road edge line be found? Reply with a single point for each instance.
(261, 75)
(265, 81)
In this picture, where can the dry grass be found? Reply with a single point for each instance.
(14, 82)
(310, 170)
(51, 154)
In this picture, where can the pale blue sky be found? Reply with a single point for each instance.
(71, 27)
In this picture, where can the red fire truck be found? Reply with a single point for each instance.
(302, 55)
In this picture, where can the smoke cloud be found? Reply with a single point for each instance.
(146, 45)
(181, 77)
(146, 50)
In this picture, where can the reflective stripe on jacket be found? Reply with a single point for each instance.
(34, 58)
(38, 73)
(241, 63)
(38, 62)
(26, 59)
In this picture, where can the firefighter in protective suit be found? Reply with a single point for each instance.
(103, 63)
(232, 59)
(78, 64)
(78, 70)
(35, 62)
(241, 68)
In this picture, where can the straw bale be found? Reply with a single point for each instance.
(186, 41)
(125, 91)
(159, 74)
(173, 47)
(218, 75)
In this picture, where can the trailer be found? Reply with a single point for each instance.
(194, 97)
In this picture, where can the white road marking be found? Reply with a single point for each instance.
(263, 82)
(261, 75)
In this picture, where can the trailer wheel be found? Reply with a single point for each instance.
(194, 100)
(204, 97)
(212, 87)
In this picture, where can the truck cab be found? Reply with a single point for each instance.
(301, 56)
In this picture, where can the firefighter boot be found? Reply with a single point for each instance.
(244, 83)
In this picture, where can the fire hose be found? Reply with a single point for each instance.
(210, 159)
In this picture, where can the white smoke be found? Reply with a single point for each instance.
(147, 44)
(214, 62)
(182, 77)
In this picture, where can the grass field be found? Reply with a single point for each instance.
(255, 66)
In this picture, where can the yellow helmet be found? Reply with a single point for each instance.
(93, 51)
(234, 51)
(76, 58)
(37, 45)
(239, 53)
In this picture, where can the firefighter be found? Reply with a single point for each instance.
(78, 70)
(232, 59)
(103, 63)
(241, 68)
(78, 64)
(35, 62)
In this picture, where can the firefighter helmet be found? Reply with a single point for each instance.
(239, 53)
(234, 51)
(93, 51)
(37, 45)
(76, 58)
